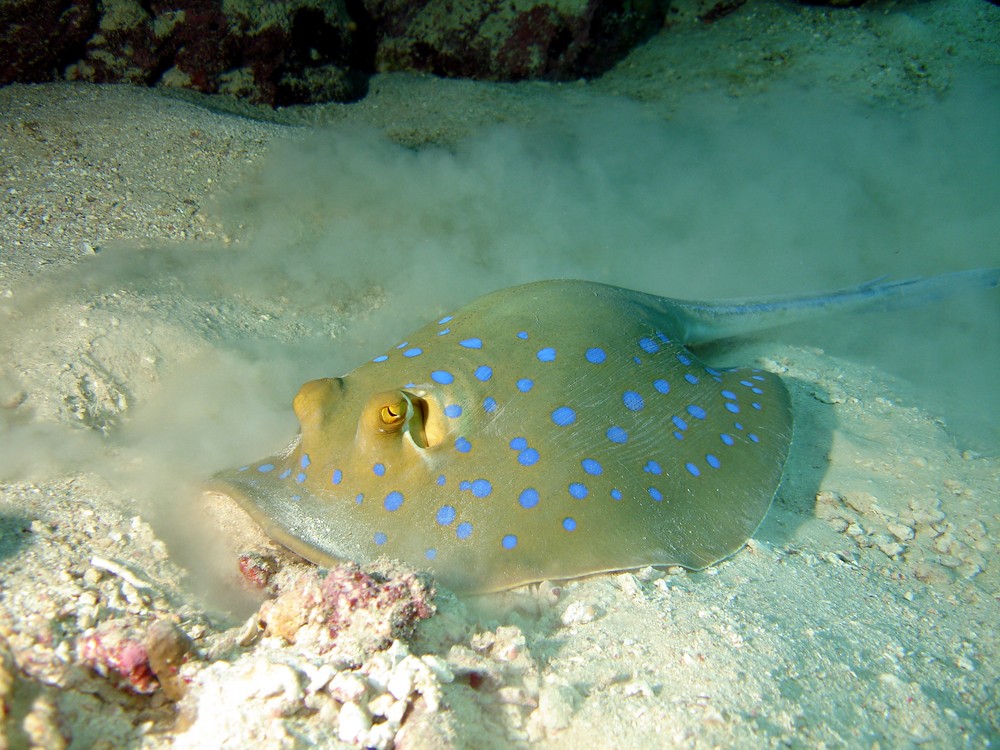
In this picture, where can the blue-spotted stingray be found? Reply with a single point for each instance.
(546, 431)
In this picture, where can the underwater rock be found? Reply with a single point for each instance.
(394, 699)
(115, 650)
(136, 661)
(306, 51)
(8, 668)
(38, 38)
(510, 42)
(257, 569)
(167, 649)
(309, 51)
(351, 610)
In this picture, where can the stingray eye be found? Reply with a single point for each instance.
(391, 416)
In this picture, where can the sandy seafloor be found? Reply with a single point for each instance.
(170, 272)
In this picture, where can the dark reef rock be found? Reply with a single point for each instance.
(39, 38)
(305, 51)
(272, 53)
(509, 41)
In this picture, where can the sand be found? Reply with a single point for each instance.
(170, 272)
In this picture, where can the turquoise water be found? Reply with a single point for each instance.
(782, 192)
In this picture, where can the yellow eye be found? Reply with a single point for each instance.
(392, 415)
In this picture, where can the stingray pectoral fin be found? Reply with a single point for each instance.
(303, 523)
(702, 502)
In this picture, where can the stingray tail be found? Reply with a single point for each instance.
(710, 321)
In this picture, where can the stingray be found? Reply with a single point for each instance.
(551, 430)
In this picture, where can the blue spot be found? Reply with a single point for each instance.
(527, 457)
(756, 377)
(591, 466)
(617, 435)
(712, 461)
(753, 438)
(445, 515)
(733, 408)
(683, 358)
(696, 411)
(472, 343)
(616, 494)
(393, 501)
(528, 498)
(679, 423)
(444, 332)
(649, 346)
(381, 358)
(747, 383)
(379, 470)
(440, 480)
(662, 337)
(519, 443)
(509, 541)
(264, 468)
(414, 352)
(463, 530)
(596, 355)
(728, 394)
(338, 476)
(285, 474)
(243, 468)
(637, 360)
(737, 425)
(524, 384)
(712, 371)
(304, 461)
(453, 410)
(481, 488)
(563, 416)
(727, 438)
(360, 498)
(755, 405)
(489, 404)
(462, 445)
(695, 471)
(758, 391)
(300, 477)
(522, 334)
(577, 490)
(569, 524)
(655, 494)
(296, 498)
(445, 319)
(632, 400)
(380, 538)
(465, 484)
(679, 435)
(484, 373)
(548, 354)
(443, 377)
(662, 386)
(692, 379)
(400, 346)
(652, 467)
(430, 553)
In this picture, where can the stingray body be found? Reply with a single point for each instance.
(545, 431)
